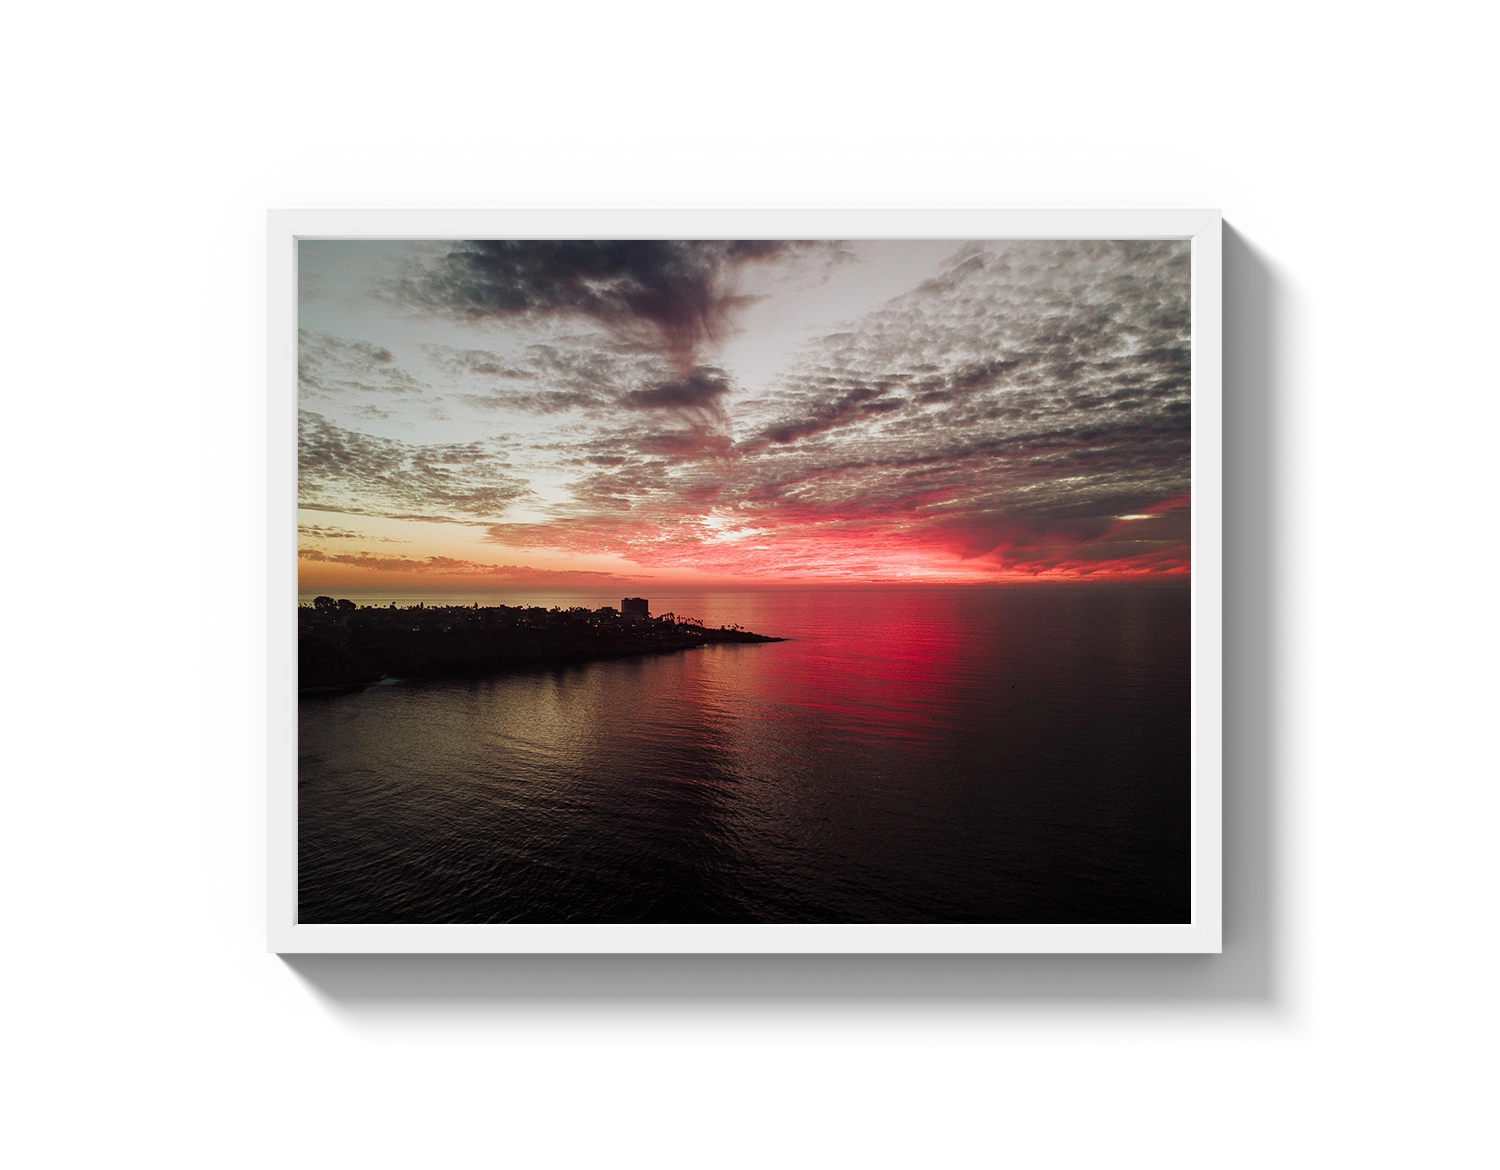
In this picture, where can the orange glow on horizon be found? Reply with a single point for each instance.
(854, 554)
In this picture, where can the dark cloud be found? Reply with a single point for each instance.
(347, 471)
(694, 405)
(669, 295)
(853, 405)
(701, 390)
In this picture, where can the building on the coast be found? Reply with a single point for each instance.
(635, 607)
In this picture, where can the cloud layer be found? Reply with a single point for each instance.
(347, 471)
(457, 567)
(673, 296)
(1024, 410)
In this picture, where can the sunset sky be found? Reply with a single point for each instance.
(582, 414)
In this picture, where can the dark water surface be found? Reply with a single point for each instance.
(953, 754)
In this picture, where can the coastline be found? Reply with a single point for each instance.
(341, 650)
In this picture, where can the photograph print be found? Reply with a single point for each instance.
(744, 581)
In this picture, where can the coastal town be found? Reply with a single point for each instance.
(341, 644)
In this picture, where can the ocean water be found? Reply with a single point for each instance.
(946, 754)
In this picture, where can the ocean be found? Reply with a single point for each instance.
(927, 754)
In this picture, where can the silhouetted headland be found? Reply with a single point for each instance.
(340, 644)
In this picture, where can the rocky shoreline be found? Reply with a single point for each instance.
(340, 645)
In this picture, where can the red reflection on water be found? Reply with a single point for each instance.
(887, 664)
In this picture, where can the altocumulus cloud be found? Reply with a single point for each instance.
(1011, 407)
(330, 367)
(347, 471)
(1025, 410)
(1006, 412)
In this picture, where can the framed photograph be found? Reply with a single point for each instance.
(722, 564)
(744, 581)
